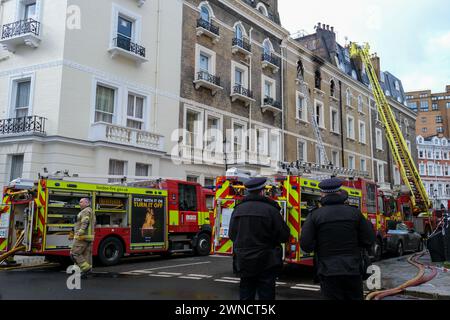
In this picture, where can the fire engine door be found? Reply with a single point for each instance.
(188, 205)
(222, 242)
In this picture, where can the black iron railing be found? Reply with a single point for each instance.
(20, 27)
(203, 75)
(238, 89)
(242, 43)
(22, 125)
(271, 59)
(208, 26)
(126, 44)
(268, 101)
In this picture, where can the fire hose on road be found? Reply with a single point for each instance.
(419, 279)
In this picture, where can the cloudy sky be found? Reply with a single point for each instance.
(411, 37)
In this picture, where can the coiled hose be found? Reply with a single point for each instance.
(419, 279)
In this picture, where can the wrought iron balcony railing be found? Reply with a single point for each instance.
(126, 44)
(242, 43)
(205, 76)
(271, 59)
(268, 101)
(208, 26)
(238, 89)
(27, 124)
(19, 28)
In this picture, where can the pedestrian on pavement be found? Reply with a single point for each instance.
(81, 252)
(337, 233)
(257, 230)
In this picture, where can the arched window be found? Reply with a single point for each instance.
(300, 70)
(332, 88)
(267, 47)
(318, 79)
(348, 97)
(238, 32)
(262, 8)
(204, 13)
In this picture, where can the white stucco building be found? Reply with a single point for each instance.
(89, 86)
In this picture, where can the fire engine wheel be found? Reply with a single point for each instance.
(203, 247)
(110, 251)
(400, 251)
(378, 250)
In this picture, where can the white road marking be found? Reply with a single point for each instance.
(171, 273)
(281, 283)
(199, 275)
(231, 278)
(179, 265)
(190, 278)
(219, 256)
(141, 271)
(308, 285)
(130, 273)
(228, 281)
(305, 288)
(160, 275)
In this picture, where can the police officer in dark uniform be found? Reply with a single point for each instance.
(257, 230)
(337, 233)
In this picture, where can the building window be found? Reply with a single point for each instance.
(421, 154)
(30, 10)
(378, 139)
(301, 150)
(261, 142)
(437, 155)
(422, 169)
(440, 129)
(362, 132)
(104, 105)
(350, 127)
(334, 121)
(268, 89)
(430, 169)
(348, 97)
(267, 48)
(301, 107)
(135, 112)
(408, 145)
(434, 107)
(205, 14)
(22, 98)
(448, 105)
(319, 114)
(320, 159)
(193, 128)
(360, 104)
(380, 169)
(351, 162)
(300, 70)
(424, 105)
(424, 130)
(332, 88)
(209, 182)
(318, 79)
(438, 170)
(429, 154)
(275, 142)
(363, 165)
(238, 138)
(205, 62)
(192, 178)
(16, 166)
(262, 8)
(397, 178)
(335, 158)
(397, 85)
(412, 106)
(240, 76)
(116, 168)
(142, 170)
(439, 119)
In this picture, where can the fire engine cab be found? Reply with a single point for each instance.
(165, 217)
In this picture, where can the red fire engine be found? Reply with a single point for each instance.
(37, 217)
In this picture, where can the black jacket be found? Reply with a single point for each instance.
(337, 232)
(257, 230)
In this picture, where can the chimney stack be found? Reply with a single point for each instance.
(376, 64)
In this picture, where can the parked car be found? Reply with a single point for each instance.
(400, 239)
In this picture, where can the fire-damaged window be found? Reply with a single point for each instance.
(318, 80)
(371, 199)
(187, 197)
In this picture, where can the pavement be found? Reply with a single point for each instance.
(396, 271)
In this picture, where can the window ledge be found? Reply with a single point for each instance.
(202, 31)
(350, 107)
(29, 39)
(319, 92)
(246, 99)
(209, 85)
(116, 51)
(335, 133)
(350, 139)
(269, 65)
(334, 99)
(301, 121)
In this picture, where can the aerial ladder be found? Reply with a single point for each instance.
(397, 143)
(305, 92)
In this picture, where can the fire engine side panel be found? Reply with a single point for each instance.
(5, 225)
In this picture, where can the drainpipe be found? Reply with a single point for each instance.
(158, 42)
(371, 139)
(341, 111)
(283, 113)
(248, 137)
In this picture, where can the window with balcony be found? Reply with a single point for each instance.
(16, 168)
(300, 105)
(301, 150)
(350, 127)
(269, 60)
(334, 121)
(205, 70)
(240, 41)
(105, 104)
(239, 85)
(126, 35)
(135, 112)
(142, 170)
(205, 25)
(269, 95)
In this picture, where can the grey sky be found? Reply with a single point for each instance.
(411, 37)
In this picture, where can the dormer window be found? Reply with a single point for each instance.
(262, 8)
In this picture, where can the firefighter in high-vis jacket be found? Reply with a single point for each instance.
(81, 252)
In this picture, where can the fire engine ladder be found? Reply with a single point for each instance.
(397, 143)
(305, 92)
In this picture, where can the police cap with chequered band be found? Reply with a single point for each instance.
(256, 184)
(332, 185)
